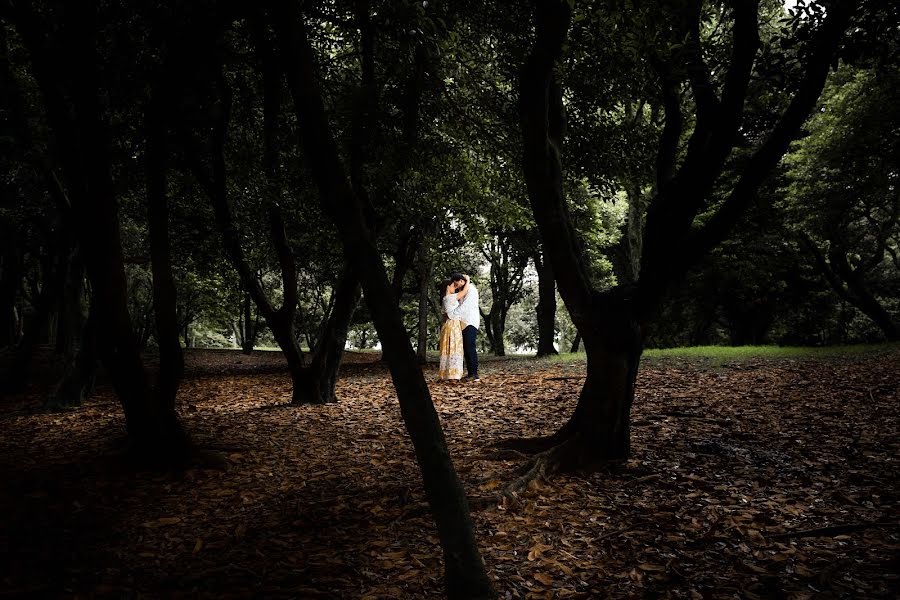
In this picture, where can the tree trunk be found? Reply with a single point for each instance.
(576, 343)
(71, 319)
(601, 424)
(488, 328)
(77, 381)
(465, 576)
(37, 322)
(165, 310)
(498, 329)
(282, 327)
(424, 290)
(320, 378)
(546, 307)
(869, 305)
(279, 320)
(248, 327)
(75, 340)
(66, 67)
(508, 262)
(10, 281)
(634, 230)
(599, 429)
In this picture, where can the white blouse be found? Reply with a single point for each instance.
(450, 302)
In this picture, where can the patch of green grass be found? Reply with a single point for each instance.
(769, 352)
(264, 349)
(565, 357)
(741, 353)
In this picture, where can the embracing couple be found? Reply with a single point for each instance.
(459, 299)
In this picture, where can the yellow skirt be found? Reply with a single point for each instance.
(451, 345)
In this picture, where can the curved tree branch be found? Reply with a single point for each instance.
(702, 240)
(541, 114)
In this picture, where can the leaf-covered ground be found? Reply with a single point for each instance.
(759, 478)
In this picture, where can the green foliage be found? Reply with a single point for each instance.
(441, 167)
(842, 180)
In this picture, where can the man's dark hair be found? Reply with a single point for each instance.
(457, 276)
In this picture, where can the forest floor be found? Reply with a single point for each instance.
(759, 477)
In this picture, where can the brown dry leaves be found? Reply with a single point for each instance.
(319, 502)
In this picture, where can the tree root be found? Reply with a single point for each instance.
(563, 456)
(532, 445)
(540, 467)
(537, 468)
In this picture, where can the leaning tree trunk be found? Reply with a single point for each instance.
(849, 285)
(869, 305)
(465, 575)
(576, 343)
(859, 294)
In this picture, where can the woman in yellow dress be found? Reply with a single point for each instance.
(451, 344)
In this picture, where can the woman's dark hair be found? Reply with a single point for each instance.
(442, 287)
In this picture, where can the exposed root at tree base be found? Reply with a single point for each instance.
(564, 457)
(532, 445)
(542, 466)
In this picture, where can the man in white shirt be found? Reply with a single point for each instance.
(470, 315)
